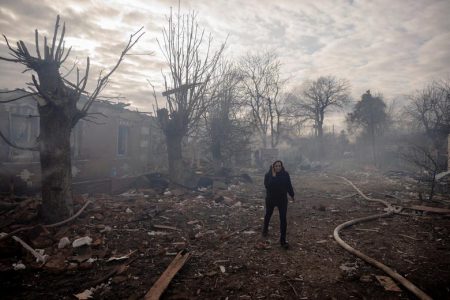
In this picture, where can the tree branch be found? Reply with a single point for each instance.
(18, 98)
(35, 148)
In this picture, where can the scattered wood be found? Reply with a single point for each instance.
(87, 294)
(39, 258)
(121, 257)
(163, 282)
(48, 226)
(364, 229)
(388, 283)
(290, 284)
(436, 210)
(409, 237)
(348, 196)
(115, 271)
(166, 227)
(226, 237)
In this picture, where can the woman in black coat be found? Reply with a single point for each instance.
(278, 184)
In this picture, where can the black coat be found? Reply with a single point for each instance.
(279, 186)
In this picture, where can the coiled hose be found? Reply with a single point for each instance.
(390, 211)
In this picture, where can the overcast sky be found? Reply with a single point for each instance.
(391, 47)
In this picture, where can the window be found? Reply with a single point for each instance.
(23, 132)
(76, 139)
(122, 140)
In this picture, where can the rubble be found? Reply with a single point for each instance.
(18, 266)
(84, 241)
(63, 242)
(122, 255)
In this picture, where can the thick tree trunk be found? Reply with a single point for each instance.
(56, 168)
(175, 158)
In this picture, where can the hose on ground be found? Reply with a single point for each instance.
(390, 211)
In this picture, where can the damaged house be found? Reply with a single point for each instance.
(108, 150)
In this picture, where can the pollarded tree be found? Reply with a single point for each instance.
(192, 64)
(59, 111)
(370, 117)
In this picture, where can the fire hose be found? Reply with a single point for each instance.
(390, 211)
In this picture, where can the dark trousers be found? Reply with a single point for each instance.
(282, 209)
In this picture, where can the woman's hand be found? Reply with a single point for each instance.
(273, 171)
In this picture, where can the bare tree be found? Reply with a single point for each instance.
(261, 87)
(191, 63)
(227, 133)
(57, 100)
(318, 97)
(422, 155)
(430, 111)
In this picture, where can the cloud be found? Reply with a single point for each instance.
(393, 47)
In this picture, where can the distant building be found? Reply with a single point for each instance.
(125, 144)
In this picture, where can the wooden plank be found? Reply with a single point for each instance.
(431, 209)
(163, 282)
(388, 283)
(165, 227)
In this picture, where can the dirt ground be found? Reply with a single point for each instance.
(135, 237)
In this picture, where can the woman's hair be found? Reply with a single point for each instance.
(273, 164)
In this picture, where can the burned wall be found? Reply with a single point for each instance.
(121, 143)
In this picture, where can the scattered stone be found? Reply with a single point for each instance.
(228, 201)
(19, 266)
(349, 268)
(56, 263)
(63, 242)
(99, 217)
(87, 294)
(106, 229)
(86, 240)
(237, 204)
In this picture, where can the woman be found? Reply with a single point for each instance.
(278, 185)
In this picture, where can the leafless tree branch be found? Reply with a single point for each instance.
(11, 144)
